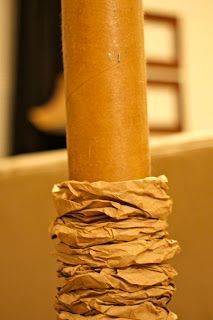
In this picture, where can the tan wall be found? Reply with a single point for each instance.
(28, 277)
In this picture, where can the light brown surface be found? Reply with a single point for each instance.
(28, 277)
(105, 85)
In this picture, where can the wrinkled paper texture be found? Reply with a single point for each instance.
(113, 250)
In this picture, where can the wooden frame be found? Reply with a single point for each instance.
(173, 24)
(179, 114)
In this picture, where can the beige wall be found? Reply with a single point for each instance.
(197, 49)
(27, 268)
(7, 33)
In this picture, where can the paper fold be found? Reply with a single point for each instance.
(113, 250)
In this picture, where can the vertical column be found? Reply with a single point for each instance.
(105, 85)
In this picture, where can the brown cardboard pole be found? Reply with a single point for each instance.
(105, 84)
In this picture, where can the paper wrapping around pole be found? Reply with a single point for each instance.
(118, 266)
(118, 200)
(69, 316)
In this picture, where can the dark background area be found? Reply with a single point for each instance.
(38, 62)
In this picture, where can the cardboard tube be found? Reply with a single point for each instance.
(105, 85)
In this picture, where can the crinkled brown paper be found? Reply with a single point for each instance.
(113, 250)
